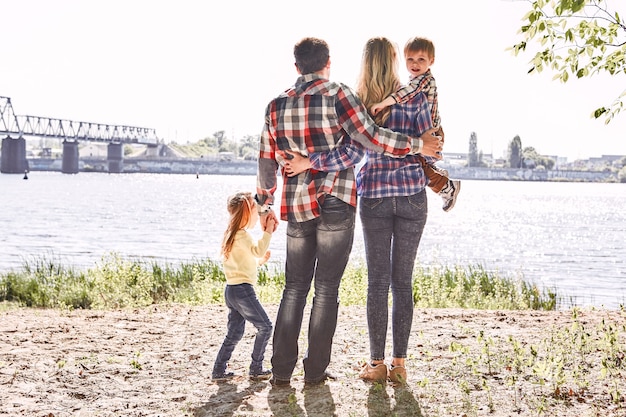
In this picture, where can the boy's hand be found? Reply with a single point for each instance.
(379, 106)
(376, 108)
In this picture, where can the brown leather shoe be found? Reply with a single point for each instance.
(371, 372)
(397, 374)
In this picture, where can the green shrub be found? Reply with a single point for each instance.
(117, 282)
(44, 282)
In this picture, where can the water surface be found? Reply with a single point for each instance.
(569, 236)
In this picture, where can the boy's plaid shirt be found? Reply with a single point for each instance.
(426, 84)
(315, 115)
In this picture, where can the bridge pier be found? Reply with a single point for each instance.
(115, 157)
(70, 157)
(13, 156)
(152, 150)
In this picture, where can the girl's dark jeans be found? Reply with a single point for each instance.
(243, 305)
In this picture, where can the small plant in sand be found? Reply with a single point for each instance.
(558, 369)
(135, 361)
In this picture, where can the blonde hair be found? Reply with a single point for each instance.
(379, 74)
(240, 206)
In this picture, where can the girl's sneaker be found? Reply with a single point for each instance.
(222, 377)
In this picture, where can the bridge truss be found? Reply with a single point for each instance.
(46, 127)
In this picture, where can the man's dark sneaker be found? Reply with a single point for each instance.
(222, 377)
(324, 378)
(280, 382)
(260, 375)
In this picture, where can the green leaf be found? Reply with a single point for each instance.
(599, 112)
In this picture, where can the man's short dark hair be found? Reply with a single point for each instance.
(311, 55)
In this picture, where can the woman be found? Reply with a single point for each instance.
(393, 208)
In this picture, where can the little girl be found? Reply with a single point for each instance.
(241, 257)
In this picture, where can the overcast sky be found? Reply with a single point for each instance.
(191, 68)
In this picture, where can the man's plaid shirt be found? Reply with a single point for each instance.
(316, 115)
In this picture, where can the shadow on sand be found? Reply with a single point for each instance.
(228, 399)
(380, 404)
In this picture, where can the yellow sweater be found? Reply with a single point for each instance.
(241, 265)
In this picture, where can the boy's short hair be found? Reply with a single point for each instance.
(418, 44)
(311, 55)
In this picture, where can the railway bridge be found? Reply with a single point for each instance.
(18, 128)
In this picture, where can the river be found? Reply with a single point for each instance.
(568, 236)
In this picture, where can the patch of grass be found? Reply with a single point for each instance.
(475, 287)
(570, 364)
(45, 282)
(119, 282)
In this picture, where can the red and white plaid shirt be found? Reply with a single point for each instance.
(316, 115)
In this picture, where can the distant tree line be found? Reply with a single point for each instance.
(528, 158)
(517, 156)
(245, 148)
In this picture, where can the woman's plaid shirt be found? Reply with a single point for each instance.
(316, 115)
(382, 176)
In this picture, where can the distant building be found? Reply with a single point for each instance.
(453, 159)
(606, 158)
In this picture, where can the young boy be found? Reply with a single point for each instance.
(419, 54)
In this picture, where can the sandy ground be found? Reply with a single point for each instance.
(157, 362)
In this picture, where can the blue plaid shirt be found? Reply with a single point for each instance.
(426, 84)
(384, 176)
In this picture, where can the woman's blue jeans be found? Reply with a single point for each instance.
(317, 249)
(392, 229)
(243, 305)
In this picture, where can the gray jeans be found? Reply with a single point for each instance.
(392, 229)
(317, 251)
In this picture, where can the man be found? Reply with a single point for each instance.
(313, 116)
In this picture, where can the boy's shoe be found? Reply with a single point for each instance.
(397, 374)
(441, 171)
(371, 372)
(222, 377)
(260, 375)
(449, 193)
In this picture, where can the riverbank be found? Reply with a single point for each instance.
(157, 361)
(201, 166)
